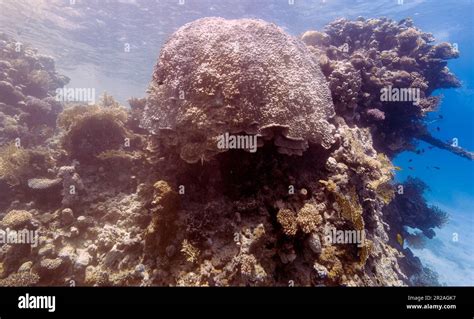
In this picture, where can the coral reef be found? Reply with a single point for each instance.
(28, 81)
(119, 204)
(365, 58)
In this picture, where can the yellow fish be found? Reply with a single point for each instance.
(400, 239)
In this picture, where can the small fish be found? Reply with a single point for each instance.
(441, 117)
(400, 239)
(411, 168)
(418, 152)
(410, 160)
(436, 167)
(397, 168)
(438, 129)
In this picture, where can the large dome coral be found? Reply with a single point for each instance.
(217, 76)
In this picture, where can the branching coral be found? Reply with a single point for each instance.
(190, 252)
(410, 209)
(308, 218)
(288, 222)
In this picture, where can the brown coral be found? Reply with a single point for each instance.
(92, 130)
(287, 220)
(17, 219)
(14, 163)
(217, 76)
(365, 56)
(20, 279)
(308, 218)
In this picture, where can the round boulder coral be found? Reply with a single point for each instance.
(240, 77)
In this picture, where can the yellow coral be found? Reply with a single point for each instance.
(351, 208)
(247, 264)
(14, 163)
(384, 172)
(190, 252)
(165, 196)
(386, 193)
(287, 220)
(16, 219)
(73, 116)
(91, 130)
(330, 185)
(118, 154)
(364, 252)
(336, 270)
(329, 257)
(20, 279)
(308, 218)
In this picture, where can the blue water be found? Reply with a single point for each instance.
(87, 40)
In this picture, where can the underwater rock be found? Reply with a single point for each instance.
(9, 94)
(66, 217)
(12, 256)
(314, 243)
(47, 250)
(83, 259)
(217, 76)
(25, 267)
